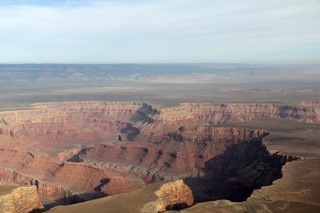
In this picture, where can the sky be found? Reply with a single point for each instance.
(160, 31)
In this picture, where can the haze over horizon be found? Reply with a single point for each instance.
(126, 31)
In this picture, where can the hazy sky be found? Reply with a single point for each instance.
(159, 31)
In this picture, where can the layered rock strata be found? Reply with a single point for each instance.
(297, 191)
(96, 120)
(156, 197)
(179, 154)
(218, 113)
(19, 199)
(67, 182)
(115, 147)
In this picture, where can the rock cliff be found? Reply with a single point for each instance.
(58, 180)
(297, 191)
(179, 154)
(218, 113)
(115, 147)
(19, 199)
(83, 121)
(156, 197)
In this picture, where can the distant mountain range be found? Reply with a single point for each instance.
(156, 73)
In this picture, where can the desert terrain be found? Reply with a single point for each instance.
(189, 137)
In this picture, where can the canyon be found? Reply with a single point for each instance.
(84, 150)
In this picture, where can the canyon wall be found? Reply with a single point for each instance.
(154, 198)
(179, 154)
(218, 113)
(43, 188)
(115, 147)
(68, 182)
(100, 120)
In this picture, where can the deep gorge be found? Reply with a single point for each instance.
(55, 142)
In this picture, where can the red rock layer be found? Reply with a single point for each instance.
(217, 113)
(52, 131)
(59, 180)
(68, 121)
(179, 154)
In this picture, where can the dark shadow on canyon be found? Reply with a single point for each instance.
(144, 114)
(177, 206)
(76, 157)
(237, 172)
(78, 198)
(129, 131)
(233, 175)
(102, 183)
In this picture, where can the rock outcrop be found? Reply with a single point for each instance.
(101, 120)
(156, 197)
(171, 195)
(19, 199)
(297, 191)
(115, 147)
(219, 113)
(58, 180)
(179, 154)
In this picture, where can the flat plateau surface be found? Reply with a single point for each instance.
(126, 202)
(287, 136)
(96, 137)
(5, 189)
(297, 191)
(162, 85)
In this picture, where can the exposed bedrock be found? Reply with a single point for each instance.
(44, 189)
(154, 198)
(114, 147)
(217, 113)
(54, 128)
(170, 196)
(215, 162)
(19, 199)
(102, 120)
(66, 182)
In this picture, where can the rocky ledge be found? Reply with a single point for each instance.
(154, 198)
(19, 199)
(115, 147)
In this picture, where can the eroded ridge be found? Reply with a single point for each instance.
(76, 151)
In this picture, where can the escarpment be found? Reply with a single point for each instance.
(156, 197)
(218, 113)
(179, 154)
(216, 162)
(43, 188)
(75, 151)
(66, 182)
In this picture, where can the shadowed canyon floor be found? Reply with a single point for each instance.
(78, 151)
